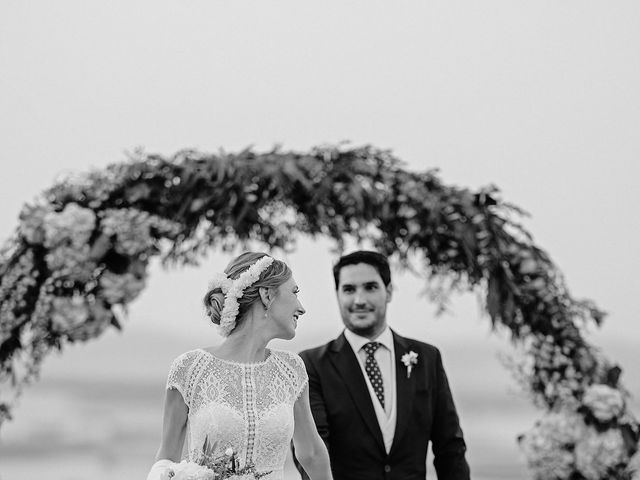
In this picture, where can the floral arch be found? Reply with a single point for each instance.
(81, 252)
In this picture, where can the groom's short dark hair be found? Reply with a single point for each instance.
(375, 259)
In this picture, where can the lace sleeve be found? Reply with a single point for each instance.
(180, 374)
(296, 371)
(301, 374)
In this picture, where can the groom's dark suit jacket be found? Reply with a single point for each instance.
(346, 420)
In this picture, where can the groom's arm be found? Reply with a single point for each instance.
(448, 442)
(318, 408)
(316, 398)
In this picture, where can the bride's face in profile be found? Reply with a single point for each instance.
(285, 310)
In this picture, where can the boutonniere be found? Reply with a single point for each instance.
(409, 359)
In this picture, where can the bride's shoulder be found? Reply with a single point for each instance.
(187, 357)
(288, 357)
(292, 366)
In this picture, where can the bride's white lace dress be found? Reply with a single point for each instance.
(248, 407)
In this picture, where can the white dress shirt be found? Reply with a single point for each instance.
(385, 356)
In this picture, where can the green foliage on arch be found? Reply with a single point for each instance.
(82, 250)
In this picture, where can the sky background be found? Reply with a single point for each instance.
(539, 98)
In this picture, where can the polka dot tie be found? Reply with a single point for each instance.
(373, 370)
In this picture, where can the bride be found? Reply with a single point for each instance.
(242, 395)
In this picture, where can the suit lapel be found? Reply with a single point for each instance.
(346, 364)
(405, 389)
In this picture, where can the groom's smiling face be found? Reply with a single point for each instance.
(363, 298)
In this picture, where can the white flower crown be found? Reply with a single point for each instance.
(233, 290)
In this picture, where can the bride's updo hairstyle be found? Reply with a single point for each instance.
(272, 277)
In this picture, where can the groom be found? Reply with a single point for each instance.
(377, 398)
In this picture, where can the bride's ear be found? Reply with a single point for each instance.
(266, 296)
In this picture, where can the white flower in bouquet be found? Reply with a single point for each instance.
(32, 220)
(132, 229)
(99, 319)
(597, 452)
(547, 445)
(68, 312)
(71, 262)
(603, 401)
(120, 289)
(72, 225)
(186, 470)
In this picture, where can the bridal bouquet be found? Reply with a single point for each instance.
(186, 470)
(212, 467)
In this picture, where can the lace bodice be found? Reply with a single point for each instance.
(248, 407)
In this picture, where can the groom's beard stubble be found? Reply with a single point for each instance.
(370, 329)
